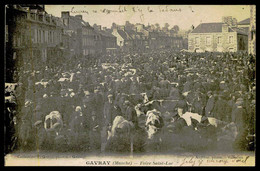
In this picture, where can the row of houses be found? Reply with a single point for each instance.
(226, 36)
(31, 33)
(142, 38)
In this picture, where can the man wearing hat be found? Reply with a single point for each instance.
(219, 110)
(130, 113)
(107, 120)
(94, 133)
(210, 104)
(108, 110)
(197, 104)
(78, 127)
(238, 114)
(239, 118)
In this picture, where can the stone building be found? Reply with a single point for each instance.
(124, 40)
(252, 31)
(81, 34)
(105, 41)
(32, 36)
(217, 37)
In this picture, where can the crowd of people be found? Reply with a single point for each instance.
(87, 93)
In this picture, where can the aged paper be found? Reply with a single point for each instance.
(130, 85)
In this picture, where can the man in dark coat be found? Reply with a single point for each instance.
(94, 133)
(238, 117)
(78, 127)
(219, 110)
(210, 104)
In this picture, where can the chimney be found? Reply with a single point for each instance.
(234, 22)
(79, 16)
(65, 14)
(227, 20)
(224, 28)
(99, 27)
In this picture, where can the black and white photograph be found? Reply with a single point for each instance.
(129, 85)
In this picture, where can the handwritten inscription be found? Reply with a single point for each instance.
(123, 9)
(183, 161)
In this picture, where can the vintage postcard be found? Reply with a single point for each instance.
(130, 85)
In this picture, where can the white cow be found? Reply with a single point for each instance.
(154, 122)
(188, 116)
(53, 122)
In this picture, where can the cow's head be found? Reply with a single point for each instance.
(153, 123)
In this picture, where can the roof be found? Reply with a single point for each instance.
(244, 22)
(241, 30)
(76, 23)
(131, 34)
(122, 34)
(104, 33)
(215, 28)
(208, 28)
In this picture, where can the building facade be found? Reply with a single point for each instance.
(217, 37)
(80, 33)
(32, 36)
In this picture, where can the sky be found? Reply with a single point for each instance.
(182, 15)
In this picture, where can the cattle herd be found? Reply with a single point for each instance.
(159, 101)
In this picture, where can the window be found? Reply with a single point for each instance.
(46, 36)
(42, 36)
(33, 16)
(208, 41)
(40, 17)
(196, 40)
(39, 36)
(219, 40)
(65, 21)
(44, 55)
(230, 39)
(252, 35)
(14, 55)
(52, 37)
(18, 40)
(49, 36)
(6, 33)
